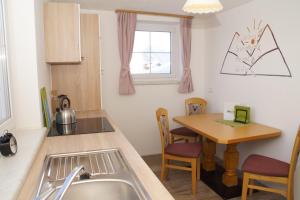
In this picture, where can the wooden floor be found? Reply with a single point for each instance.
(179, 185)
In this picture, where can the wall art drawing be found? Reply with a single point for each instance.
(255, 53)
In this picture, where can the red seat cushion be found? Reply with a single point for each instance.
(182, 131)
(266, 166)
(191, 150)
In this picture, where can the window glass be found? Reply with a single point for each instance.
(4, 87)
(141, 41)
(161, 42)
(151, 53)
(140, 63)
(161, 63)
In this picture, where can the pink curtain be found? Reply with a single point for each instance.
(186, 84)
(126, 31)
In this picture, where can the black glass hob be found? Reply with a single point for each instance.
(82, 126)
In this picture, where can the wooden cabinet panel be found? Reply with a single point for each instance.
(62, 32)
(81, 82)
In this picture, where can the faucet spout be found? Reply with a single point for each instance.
(70, 178)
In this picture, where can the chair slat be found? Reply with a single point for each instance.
(256, 187)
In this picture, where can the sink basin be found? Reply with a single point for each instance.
(110, 177)
(101, 189)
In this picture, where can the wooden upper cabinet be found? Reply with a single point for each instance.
(62, 32)
(82, 82)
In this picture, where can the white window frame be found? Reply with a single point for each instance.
(176, 66)
(8, 122)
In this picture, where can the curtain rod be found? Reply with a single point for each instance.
(154, 13)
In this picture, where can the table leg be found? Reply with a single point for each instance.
(231, 161)
(209, 151)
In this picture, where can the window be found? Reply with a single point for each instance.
(4, 88)
(152, 53)
(155, 56)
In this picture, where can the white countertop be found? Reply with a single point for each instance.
(13, 170)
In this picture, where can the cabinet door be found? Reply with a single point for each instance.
(62, 32)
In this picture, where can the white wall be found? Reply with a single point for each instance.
(44, 69)
(135, 114)
(274, 100)
(23, 64)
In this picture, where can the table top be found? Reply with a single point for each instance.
(207, 126)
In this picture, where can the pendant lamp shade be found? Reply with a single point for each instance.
(202, 6)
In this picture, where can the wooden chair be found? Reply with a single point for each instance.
(184, 152)
(263, 168)
(193, 106)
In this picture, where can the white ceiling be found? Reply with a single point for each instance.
(168, 6)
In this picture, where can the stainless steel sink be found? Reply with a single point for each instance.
(101, 189)
(111, 178)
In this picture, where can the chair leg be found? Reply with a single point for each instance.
(163, 168)
(251, 182)
(166, 169)
(245, 186)
(194, 176)
(290, 192)
(198, 168)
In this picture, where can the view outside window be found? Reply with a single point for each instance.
(151, 53)
(4, 91)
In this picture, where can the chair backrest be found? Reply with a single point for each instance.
(162, 118)
(294, 157)
(195, 106)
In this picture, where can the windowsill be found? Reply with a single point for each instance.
(7, 125)
(29, 142)
(156, 82)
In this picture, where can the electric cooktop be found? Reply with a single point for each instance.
(82, 126)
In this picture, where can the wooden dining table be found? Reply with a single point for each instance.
(215, 132)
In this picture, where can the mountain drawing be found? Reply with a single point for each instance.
(259, 55)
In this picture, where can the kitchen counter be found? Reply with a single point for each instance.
(13, 170)
(88, 142)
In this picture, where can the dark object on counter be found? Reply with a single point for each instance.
(83, 126)
(8, 144)
(85, 176)
(64, 114)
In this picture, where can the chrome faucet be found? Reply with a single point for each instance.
(70, 178)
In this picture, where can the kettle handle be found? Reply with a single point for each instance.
(62, 101)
